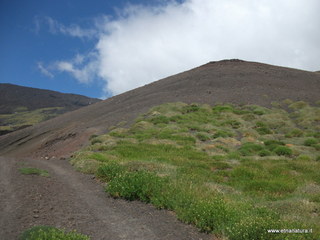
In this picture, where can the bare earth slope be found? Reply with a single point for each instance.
(232, 81)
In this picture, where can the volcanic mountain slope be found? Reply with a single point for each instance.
(231, 81)
(14, 96)
(21, 107)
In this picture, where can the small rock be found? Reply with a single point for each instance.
(35, 211)
(36, 216)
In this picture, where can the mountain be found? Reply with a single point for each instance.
(14, 96)
(227, 81)
(21, 107)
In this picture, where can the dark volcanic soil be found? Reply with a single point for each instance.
(71, 200)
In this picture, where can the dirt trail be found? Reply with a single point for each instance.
(72, 200)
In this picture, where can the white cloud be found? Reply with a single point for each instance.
(82, 68)
(44, 70)
(144, 43)
(56, 27)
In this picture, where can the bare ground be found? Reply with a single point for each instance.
(71, 200)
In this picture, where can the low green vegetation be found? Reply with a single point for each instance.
(51, 233)
(22, 117)
(234, 171)
(34, 171)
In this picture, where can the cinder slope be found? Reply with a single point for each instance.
(232, 81)
(13, 96)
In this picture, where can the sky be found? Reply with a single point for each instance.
(101, 48)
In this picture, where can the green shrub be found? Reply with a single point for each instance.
(117, 134)
(294, 133)
(223, 134)
(316, 134)
(50, 233)
(249, 117)
(110, 171)
(315, 198)
(240, 111)
(318, 158)
(310, 141)
(298, 105)
(140, 185)
(98, 156)
(259, 112)
(207, 215)
(225, 149)
(93, 136)
(222, 165)
(264, 153)
(222, 108)
(304, 157)
(160, 119)
(191, 108)
(253, 227)
(95, 140)
(282, 151)
(249, 148)
(176, 118)
(232, 123)
(202, 137)
(261, 124)
(270, 186)
(263, 130)
(272, 144)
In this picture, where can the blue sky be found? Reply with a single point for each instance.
(23, 45)
(101, 48)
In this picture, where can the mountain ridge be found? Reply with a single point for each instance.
(21, 107)
(13, 96)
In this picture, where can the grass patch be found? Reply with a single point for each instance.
(34, 171)
(50, 233)
(24, 118)
(226, 169)
(283, 151)
(310, 142)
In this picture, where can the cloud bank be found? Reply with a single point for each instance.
(143, 44)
